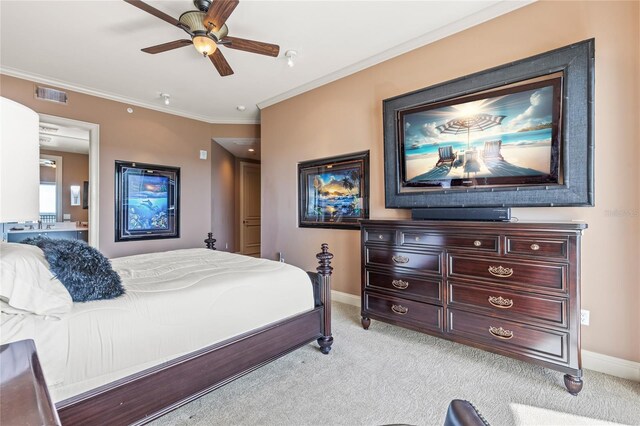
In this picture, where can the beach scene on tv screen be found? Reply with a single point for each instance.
(502, 136)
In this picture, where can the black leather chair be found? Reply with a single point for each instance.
(463, 413)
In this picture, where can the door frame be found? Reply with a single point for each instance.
(94, 170)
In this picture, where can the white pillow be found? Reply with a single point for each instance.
(27, 285)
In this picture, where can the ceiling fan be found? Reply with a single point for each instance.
(208, 30)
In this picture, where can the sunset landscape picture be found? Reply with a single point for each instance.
(334, 195)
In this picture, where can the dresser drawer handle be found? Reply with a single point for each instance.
(400, 259)
(535, 247)
(500, 302)
(477, 243)
(400, 284)
(399, 309)
(501, 333)
(500, 271)
(381, 237)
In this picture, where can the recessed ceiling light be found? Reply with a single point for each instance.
(241, 108)
(130, 110)
(165, 98)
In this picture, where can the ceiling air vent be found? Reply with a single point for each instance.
(53, 95)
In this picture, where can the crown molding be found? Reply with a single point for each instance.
(484, 15)
(37, 78)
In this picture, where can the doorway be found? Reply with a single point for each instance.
(250, 209)
(70, 140)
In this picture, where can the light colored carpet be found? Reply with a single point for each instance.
(391, 375)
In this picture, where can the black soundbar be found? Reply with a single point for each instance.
(463, 213)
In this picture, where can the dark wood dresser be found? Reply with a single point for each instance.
(512, 288)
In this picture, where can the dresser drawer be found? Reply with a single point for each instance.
(509, 304)
(404, 284)
(420, 315)
(477, 243)
(549, 248)
(512, 336)
(422, 262)
(380, 236)
(504, 271)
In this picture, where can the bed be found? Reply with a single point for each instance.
(190, 321)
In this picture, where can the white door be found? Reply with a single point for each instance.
(250, 209)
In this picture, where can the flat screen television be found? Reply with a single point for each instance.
(514, 135)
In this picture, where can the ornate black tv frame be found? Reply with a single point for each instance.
(576, 62)
(144, 396)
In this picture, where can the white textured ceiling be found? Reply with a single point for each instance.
(94, 47)
(239, 147)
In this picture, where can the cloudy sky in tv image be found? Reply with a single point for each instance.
(334, 194)
(148, 202)
(525, 114)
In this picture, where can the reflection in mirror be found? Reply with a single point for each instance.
(50, 188)
(64, 154)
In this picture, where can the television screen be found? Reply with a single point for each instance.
(515, 135)
(509, 136)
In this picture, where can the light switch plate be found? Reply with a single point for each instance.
(203, 154)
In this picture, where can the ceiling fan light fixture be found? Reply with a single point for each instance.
(205, 45)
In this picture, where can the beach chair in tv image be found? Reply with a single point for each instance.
(446, 155)
(492, 150)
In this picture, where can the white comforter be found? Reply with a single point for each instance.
(176, 302)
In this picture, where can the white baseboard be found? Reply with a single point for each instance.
(611, 365)
(591, 360)
(349, 299)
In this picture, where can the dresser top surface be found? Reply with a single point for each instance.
(468, 224)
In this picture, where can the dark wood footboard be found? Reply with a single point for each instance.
(144, 396)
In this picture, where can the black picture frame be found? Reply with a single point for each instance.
(147, 200)
(333, 192)
(575, 135)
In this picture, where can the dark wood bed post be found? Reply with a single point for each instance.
(324, 258)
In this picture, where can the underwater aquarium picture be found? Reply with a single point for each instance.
(147, 201)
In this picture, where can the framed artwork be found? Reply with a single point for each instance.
(334, 192)
(520, 134)
(147, 201)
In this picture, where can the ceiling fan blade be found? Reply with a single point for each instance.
(253, 46)
(221, 64)
(218, 13)
(155, 12)
(166, 46)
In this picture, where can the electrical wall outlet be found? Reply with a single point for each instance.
(281, 256)
(584, 317)
(226, 246)
(203, 154)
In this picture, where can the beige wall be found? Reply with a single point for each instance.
(75, 171)
(223, 197)
(346, 116)
(144, 136)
